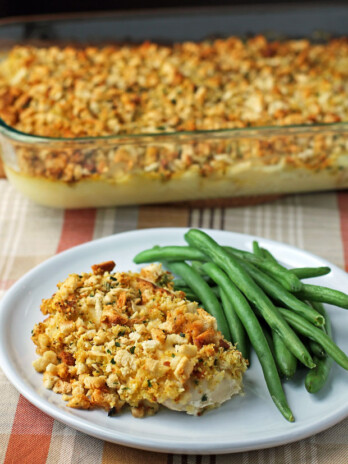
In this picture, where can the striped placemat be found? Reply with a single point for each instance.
(29, 234)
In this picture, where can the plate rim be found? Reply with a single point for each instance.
(158, 445)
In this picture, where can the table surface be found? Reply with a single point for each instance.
(29, 234)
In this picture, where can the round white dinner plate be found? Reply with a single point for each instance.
(244, 423)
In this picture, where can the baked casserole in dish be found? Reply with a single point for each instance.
(130, 123)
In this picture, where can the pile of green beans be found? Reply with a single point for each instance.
(242, 290)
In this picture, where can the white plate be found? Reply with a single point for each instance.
(244, 423)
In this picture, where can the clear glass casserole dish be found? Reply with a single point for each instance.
(185, 165)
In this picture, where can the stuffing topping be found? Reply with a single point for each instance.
(127, 89)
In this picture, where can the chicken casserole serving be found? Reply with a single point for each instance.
(115, 338)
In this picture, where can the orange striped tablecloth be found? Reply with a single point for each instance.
(29, 234)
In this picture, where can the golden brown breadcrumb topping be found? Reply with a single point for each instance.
(225, 83)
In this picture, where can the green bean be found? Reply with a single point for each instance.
(251, 290)
(179, 283)
(300, 272)
(168, 253)
(182, 283)
(285, 360)
(257, 250)
(268, 255)
(256, 336)
(270, 343)
(191, 296)
(316, 349)
(277, 271)
(271, 346)
(197, 266)
(317, 377)
(216, 291)
(308, 272)
(324, 295)
(317, 305)
(304, 327)
(236, 327)
(277, 292)
(204, 293)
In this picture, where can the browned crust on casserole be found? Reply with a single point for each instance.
(221, 84)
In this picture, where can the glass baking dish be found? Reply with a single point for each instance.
(176, 166)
